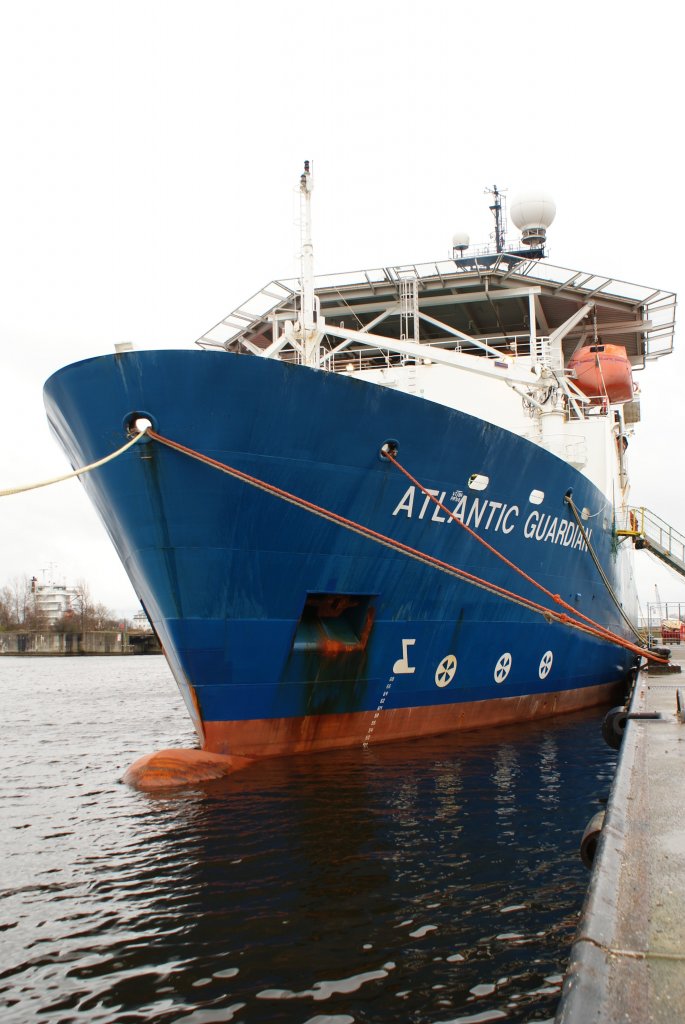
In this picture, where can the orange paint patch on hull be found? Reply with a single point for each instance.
(273, 737)
(167, 769)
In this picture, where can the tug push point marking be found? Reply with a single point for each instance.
(545, 664)
(445, 672)
(503, 667)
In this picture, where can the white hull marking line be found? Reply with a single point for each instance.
(381, 703)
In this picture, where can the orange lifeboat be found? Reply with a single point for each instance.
(603, 371)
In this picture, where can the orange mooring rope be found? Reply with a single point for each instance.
(557, 598)
(591, 628)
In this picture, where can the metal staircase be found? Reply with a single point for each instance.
(651, 533)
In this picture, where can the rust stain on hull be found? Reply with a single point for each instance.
(273, 737)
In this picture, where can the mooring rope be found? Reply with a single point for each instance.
(554, 597)
(605, 579)
(76, 472)
(591, 629)
(557, 598)
(576, 619)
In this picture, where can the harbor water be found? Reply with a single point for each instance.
(435, 881)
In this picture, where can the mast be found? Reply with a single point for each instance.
(309, 331)
(496, 208)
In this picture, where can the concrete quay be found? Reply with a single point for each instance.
(37, 644)
(628, 960)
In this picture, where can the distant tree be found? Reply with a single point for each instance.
(35, 618)
(6, 604)
(18, 606)
(82, 604)
(21, 598)
(102, 617)
(91, 615)
(18, 610)
(67, 623)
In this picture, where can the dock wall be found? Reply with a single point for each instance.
(44, 644)
(628, 960)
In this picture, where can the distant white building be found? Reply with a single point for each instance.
(53, 600)
(140, 622)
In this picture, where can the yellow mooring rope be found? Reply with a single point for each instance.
(76, 472)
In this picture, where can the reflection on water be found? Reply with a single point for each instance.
(435, 881)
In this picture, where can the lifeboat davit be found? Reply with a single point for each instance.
(603, 371)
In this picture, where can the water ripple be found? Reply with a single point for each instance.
(433, 882)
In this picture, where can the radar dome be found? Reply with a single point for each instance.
(532, 212)
(460, 240)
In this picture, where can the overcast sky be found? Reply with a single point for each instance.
(151, 150)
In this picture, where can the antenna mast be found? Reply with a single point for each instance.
(309, 312)
(497, 208)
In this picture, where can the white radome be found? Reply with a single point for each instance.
(460, 240)
(532, 209)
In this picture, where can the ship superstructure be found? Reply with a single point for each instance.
(492, 333)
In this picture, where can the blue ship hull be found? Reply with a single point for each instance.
(286, 631)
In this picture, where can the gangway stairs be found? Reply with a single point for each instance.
(653, 534)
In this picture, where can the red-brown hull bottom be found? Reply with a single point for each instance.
(168, 769)
(273, 737)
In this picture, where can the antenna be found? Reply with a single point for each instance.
(497, 212)
(308, 302)
(307, 250)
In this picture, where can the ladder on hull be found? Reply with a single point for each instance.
(653, 534)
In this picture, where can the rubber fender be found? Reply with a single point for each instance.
(588, 844)
(613, 726)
